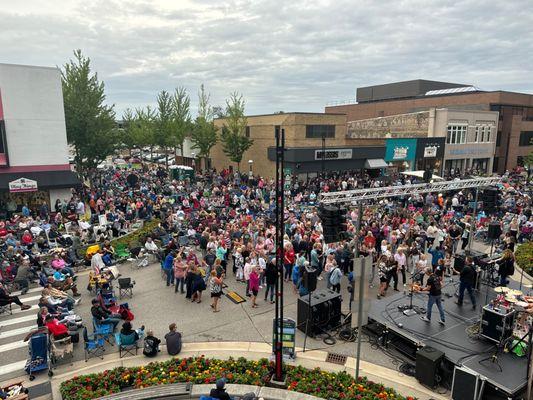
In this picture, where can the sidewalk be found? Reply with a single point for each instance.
(408, 386)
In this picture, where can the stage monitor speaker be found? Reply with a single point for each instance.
(465, 384)
(323, 314)
(310, 279)
(428, 360)
(494, 231)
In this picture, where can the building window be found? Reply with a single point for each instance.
(247, 131)
(453, 166)
(456, 134)
(482, 133)
(319, 131)
(526, 138)
(480, 165)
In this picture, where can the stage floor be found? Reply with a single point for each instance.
(452, 339)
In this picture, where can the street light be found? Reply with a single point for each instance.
(250, 164)
(193, 155)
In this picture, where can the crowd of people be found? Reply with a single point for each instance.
(222, 224)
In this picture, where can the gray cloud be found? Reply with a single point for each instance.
(291, 56)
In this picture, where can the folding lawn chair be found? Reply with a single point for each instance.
(126, 344)
(93, 345)
(125, 287)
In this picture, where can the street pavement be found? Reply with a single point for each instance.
(156, 306)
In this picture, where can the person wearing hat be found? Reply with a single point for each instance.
(220, 392)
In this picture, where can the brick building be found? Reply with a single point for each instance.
(514, 138)
(303, 144)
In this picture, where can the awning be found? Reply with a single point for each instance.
(44, 179)
(420, 174)
(375, 163)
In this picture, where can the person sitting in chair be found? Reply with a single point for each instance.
(6, 299)
(102, 315)
(127, 330)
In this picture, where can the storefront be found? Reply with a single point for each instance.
(430, 153)
(400, 154)
(470, 157)
(308, 162)
(35, 188)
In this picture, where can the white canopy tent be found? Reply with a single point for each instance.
(420, 175)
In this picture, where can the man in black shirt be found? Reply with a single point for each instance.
(220, 393)
(467, 280)
(433, 287)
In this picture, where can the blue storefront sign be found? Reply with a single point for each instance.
(400, 150)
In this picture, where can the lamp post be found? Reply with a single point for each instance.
(193, 156)
(250, 164)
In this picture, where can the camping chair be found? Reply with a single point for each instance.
(104, 330)
(93, 345)
(126, 344)
(121, 251)
(125, 287)
(5, 309)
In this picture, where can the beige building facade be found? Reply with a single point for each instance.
(304, 137)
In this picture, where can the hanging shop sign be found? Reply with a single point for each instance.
(23, 185)
(400, 150)
(334, 154)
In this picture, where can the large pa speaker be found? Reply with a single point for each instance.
(309, 279)
(322, 314)
(495, 231)
(428, 360)
(465, 384)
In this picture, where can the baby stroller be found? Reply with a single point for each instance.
(60, 349)
(39, 358)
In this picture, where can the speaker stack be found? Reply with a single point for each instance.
(489, 197)
(428, 360)
(323, 313)
(495, 231)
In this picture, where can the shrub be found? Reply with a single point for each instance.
(524, 257)
(201, 370)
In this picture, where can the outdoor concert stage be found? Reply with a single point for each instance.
(408, 333)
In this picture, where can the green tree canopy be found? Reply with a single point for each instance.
(234, 139)
(204, 133)
(181, 117)
(164, 122)
(90, 124)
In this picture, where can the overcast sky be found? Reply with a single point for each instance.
(286, 55)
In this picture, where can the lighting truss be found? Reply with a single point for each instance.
(361, 195)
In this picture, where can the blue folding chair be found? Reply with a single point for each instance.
(104, 330)
(93, 345)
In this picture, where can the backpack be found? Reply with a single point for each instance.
(149, 346)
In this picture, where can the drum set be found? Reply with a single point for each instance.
(522, 304)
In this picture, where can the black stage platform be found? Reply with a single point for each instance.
(459, 348)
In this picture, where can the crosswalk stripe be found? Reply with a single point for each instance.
(32, 309)
(32, 290)
(29, 299)
(12, 346)
(19, 320)
(16, 366)
(15, 332)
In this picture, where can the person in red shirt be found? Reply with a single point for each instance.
(27, 239)
(289, 258)
(370, 240)
(55, 327)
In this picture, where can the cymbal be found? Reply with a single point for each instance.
(510, 299)
(501, 289)
(515, 292)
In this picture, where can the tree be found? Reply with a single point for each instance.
(234, 139)
(164, 122)
(181, 118)
(90, 124)
(138, 128)
(204, 133)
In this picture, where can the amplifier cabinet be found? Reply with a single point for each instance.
(496, 324)
(428, 360)
(322, 314)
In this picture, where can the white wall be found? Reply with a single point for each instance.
(63, 194)
(34, 115)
